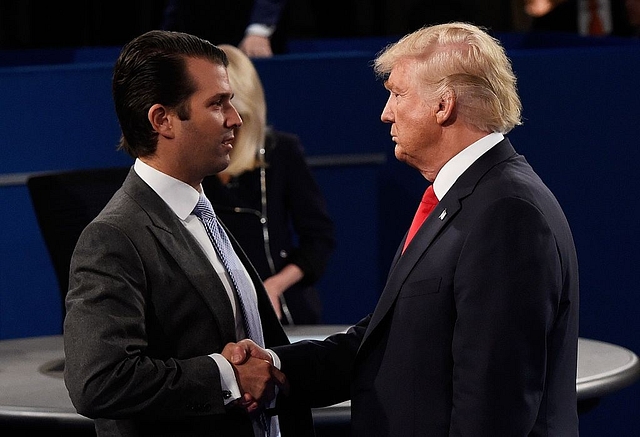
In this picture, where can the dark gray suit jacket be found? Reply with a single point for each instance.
(144, 309)
(476, 330)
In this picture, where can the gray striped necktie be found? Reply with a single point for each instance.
(232, 264)
(249, 306)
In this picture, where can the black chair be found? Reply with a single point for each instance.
(64, 203)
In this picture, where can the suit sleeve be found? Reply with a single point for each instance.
(267, 12)
(507, 292)
(320, 372)
(109, 371)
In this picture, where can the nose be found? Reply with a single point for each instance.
(387, 114)
(234, 120)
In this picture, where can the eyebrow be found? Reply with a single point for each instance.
(219, 96)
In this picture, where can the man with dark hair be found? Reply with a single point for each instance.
(157, 287)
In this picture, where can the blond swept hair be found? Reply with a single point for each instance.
(465, 59)
(250, 102)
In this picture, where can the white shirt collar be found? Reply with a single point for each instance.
(451, 171)
(181, 197)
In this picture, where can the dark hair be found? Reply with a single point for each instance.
(152, 69)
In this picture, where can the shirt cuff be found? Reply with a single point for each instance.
(258, 29)
(277, 364)
(276, 359)
(230, 389)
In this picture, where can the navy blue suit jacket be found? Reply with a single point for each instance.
(476, 330)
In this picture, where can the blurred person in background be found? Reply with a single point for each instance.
(271, 202)
(633, 16)
(581, 17)
(252, 25)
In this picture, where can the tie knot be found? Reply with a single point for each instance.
(203, 209)
(429, 196)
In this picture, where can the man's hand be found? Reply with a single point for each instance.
(238, 353)
(256, 46)
(257, 377)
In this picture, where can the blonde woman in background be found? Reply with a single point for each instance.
(271, 202)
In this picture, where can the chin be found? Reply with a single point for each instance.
(399, 155)
(215, 169)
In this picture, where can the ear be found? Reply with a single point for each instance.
(446, 107)
(161, 120)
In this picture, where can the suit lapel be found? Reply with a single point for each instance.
(441, 216)
(185, 250)
(404, 263)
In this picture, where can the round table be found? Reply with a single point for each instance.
(33, 394)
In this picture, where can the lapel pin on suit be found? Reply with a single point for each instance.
(443, 214)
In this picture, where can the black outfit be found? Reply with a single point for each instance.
(225, 21)
(300, 230)
(564, 18)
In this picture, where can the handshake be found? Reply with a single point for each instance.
(258, 379)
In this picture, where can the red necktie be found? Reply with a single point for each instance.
(428, 202)
(595, 23)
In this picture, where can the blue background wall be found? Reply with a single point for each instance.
(581, 110)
